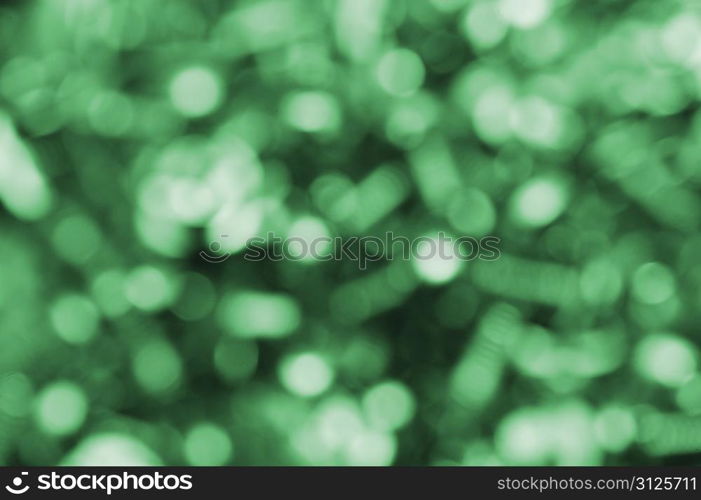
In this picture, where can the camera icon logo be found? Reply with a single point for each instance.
(17, 483)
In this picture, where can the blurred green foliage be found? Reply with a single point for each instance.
(136, 133)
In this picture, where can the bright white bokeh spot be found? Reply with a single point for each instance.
(149, 288)
(483, 25)
(196, 91)
(537, 121)
(61, 408)
(190, 201)
(308, 239)
(23, 188)
(681, 37)
(249, 314)
(538, 202)
(666, 359)
(306, 374)
(492, 111)
(338, 421)
(400, 72)
(525, 13)
(231, 228)
(111, 449)
(435, 260)
(371, 448)
(236, 175)
(312, 111)
(524, 438)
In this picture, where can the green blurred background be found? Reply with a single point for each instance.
(135, 133)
